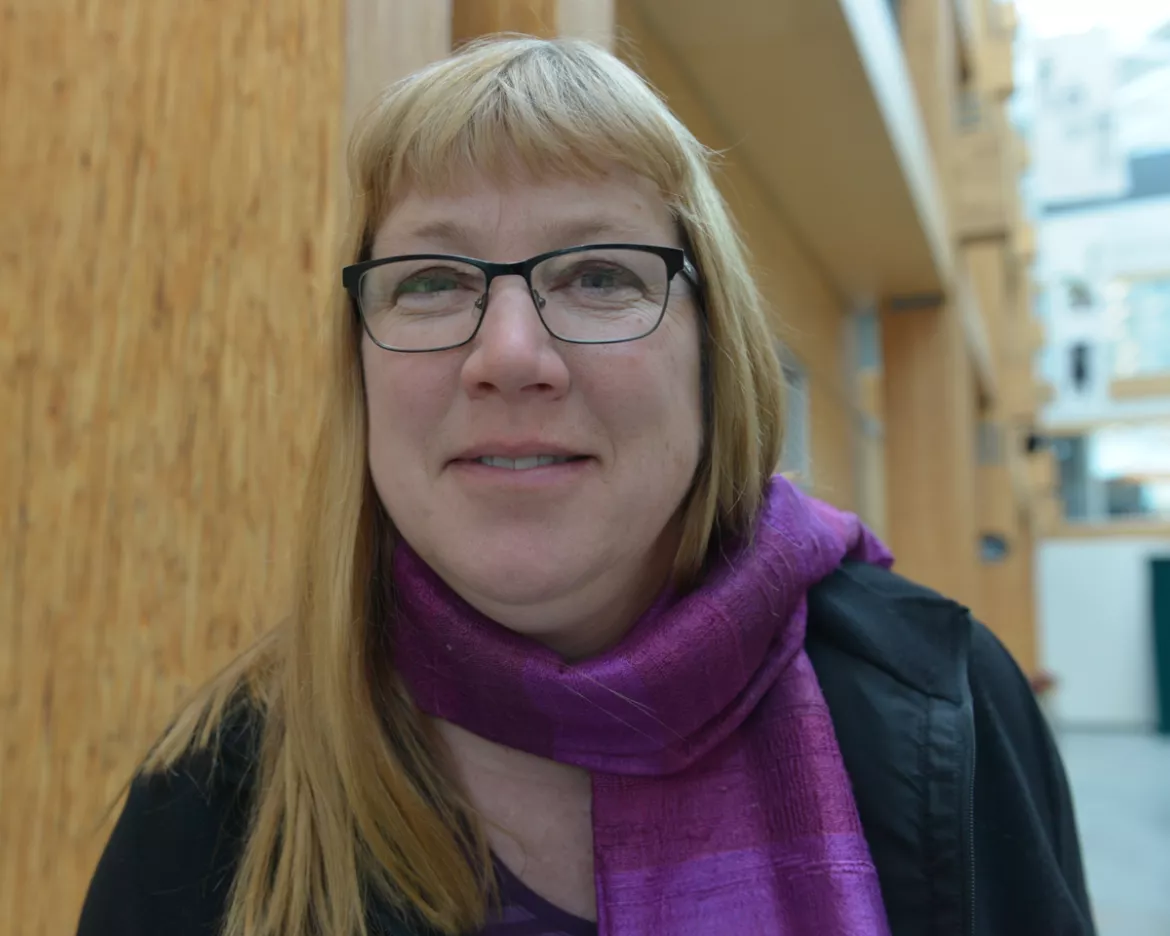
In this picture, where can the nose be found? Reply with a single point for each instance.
(513, 354)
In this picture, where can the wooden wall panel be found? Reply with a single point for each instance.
(582, 19)
(986, 261)
(985, 198)
(169, 180)
(1006, 600)
(810, 316)
(834, 436)
(388, 39)
(587, 19)
(1140, 387)
(474, 18)
(871, 449)
(930, 409)
(932, 54)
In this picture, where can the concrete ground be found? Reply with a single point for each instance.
(1121, 788)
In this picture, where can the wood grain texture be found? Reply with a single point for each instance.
(930, 409)
(387, 39)
(985, 196)
(1140, 387)
(929, 39)
(167, 243)
(471, 19)
(587, 19)
(809, 314)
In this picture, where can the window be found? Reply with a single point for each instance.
(1139, 322)
(1070, 458)
(869, 349)
(1079, 294)
(970, 109)
(796, 458)
(1042, 303)
(1079, 366)
(1044, 73)
(1104, 140)
(869, 450)
(1116, 472)
(989, 443)
(1048, 366)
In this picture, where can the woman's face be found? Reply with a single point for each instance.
(568, 553)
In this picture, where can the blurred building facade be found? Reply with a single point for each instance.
(866, 153)
(1099, 187)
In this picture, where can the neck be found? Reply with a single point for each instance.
(479, 762)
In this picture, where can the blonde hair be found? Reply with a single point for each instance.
(351, 797)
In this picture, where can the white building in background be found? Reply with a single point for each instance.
(1100, 188)
(1098, 122)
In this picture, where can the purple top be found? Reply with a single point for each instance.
(525, 913)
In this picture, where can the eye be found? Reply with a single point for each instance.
(602, 277)
(599, 279)
(429, 281)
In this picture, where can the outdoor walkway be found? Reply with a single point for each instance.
(1121, 785)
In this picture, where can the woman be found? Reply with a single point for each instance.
(565, 659)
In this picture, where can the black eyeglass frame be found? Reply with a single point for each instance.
(675, 258)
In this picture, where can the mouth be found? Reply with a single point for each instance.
(526, 462)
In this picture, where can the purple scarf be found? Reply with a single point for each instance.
(720, 800)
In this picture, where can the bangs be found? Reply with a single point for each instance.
(518, 109)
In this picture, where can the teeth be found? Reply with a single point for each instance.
(522, 464)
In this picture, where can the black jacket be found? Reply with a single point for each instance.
(958, 782)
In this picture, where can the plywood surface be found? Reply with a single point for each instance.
(809, 312)
(168, 181)
(474, 18)
(930, 409)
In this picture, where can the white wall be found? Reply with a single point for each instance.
(1075, 142)
(1125, 239)
(1121, 238)
(1143, 120)
(1095, 631)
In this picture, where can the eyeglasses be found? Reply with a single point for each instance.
(596, 294)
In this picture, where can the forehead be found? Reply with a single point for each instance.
(527, 214)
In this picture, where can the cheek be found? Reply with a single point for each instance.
(404, 400)
(648, 393)
(681, 360)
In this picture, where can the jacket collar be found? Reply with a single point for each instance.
(910, 632)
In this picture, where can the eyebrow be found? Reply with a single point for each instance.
(569, 233)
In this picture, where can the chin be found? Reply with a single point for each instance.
(513, 585)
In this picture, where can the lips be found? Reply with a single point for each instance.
(525, 462)
(519, 454)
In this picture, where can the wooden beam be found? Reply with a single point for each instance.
(1141, 386)
(471, 19)
(865, 200)
(388, 39)
(808, 315)
(1075, 427)
(976, 337)
(587, 19)
(930, 411)
(1155, 527)
(965, 36)
(159, 400)
(928, 38)
(1007, 601)
(1005, 504)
